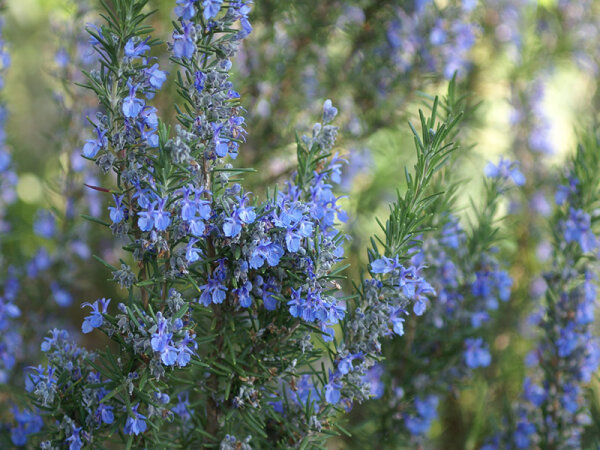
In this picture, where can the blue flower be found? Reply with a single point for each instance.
(477, 353)
(345, 365)
(438, 34)
(211, 8)
(407, 281)
(44, 224)
(523, 433)
(95, 319)
(246, 28)
(243, 9)
(192, 254)
(185, 9)
(426, 413)
(199, 80)
(162, 218)
(232, 226)
(149, 118)
(146, 218)
(243, 294)
(427, 407)
(310, 308)
(336, 313)
(149, 136)
(452, 234)
(93, 146)
(39, 374)
(533, 393)
(105, 413)
(118, 212)
(332, 389)
(161, 342)
(185, 353)
(136, 423)
(564, 192)
(296, 225)
(74, 439)
(134, 48)
(132, 106)
(469, 5)
(144, 197)
(184, 45)
(203, 208)
(197, 227)
(505, 170)
(162, 398)
(373, 379)
(490, 285)
(270, 289)
(56, 336)
(28, 422)
(40, 261)
(422, 289)
(504, 283)
(567, 341)
(214, 291)
(188, 208)
(156, 77)
(586, 308)
(570, 399)
(61, 296)
(220, 142)
(397, 321)
(182, 409)
(577, 228)
(266, 250)
(7, 310)
(416, 426)
(385, 265)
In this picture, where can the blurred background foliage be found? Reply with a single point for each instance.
(530, 72)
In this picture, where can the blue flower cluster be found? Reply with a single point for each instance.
(65, 363)
(439, 42)
(529, 112)
(10, 336)
(214, 259)
(552, 411)
(505, 170)
(164, 340)
(452, 270)
(258, 243)
(26, 423)
(67, 371)
(469, 288)
(426, 413)
(172, 351)
(132, 120)
(567, 341)
(382, 313)
(95, 319)
(578, 228)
